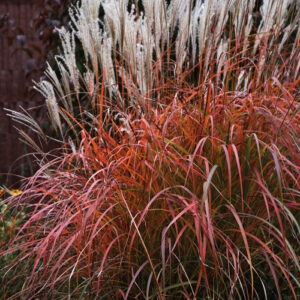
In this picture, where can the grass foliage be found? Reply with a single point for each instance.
(178, 170)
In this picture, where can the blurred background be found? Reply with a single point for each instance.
(27, 39)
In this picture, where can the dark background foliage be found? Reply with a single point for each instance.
(28, 39)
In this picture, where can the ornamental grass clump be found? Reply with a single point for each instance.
(178, 170)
